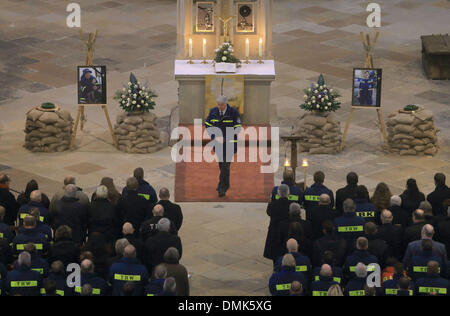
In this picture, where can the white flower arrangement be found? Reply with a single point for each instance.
(137, 97)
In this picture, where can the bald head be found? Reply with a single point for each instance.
(129, 251)
(292, 245)
(326, 270)
(324, 199)
(164, 194)
(386, 217)
(158, 210)
(418, 216)
(36, 196)
(427, 231)
(296, 288)
(127, 229)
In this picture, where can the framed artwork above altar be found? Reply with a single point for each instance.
(245, 17)
(204, 17)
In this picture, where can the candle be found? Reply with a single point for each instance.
(286, 163)
(247, 48)
(204, 48)
(305, 163)
(190, 48)
(260, 47)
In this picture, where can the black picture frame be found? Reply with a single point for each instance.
(93, 91)
(366, 87)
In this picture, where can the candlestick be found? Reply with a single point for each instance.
(190, 52)
(204, 52)
(260, 51)
(305, 167)
(247, 50)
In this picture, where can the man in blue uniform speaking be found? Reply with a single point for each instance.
(224, 121)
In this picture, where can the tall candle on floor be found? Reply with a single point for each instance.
(190, 48)
(260, 47)
(247, 48)
(204, 48)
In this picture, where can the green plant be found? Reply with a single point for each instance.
(47, 105)
(411, 107)
(224, 54)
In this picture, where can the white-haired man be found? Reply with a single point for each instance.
(35, 202)
(224, 121)
(356, 286)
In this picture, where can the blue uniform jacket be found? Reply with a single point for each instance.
(25, 211)
(41, 228)
(390, 287)
(128, 270)
(367, 211)
(145, 190)
(5, 232)
(61, 284)
(280, 282)
(321, 286)
(349, 226)
(295, 193)
(155, 287)
(30, 235)
(99, 287)
(418, 265)
(356, 257)
(23, 281)
(432, 284)
(355, 287)
(302, 264)
(312, 194)
(231, 119)
(337, 274)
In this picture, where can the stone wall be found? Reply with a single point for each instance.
(320, 133)
(137, 133)
(412, 133)
(48, 130)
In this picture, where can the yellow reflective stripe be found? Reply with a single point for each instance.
(24, 283)
(1, 235)
(150, 294)
(22, 246)
(301, 268)
(395, 291)
(146, 196)
(228, 121)
(127, 277)
(320, 293)
(237, 125)
(428, 289)
(314, 198)
(290, 197)
(233, 141)
(208, 124)
(95, 291)
(335, 279)
(283, 287)
(41, 271)
(369, 268)
(366, 214)
(350, 229)
(23, 215)
(419, 269)
(357, 293)
(214, 120)
(60, 292)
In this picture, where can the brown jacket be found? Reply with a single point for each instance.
(179, 272)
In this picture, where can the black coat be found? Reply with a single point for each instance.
(443, 233)
(393, 235)
(411, 202)
(8, 201)
(401, 216)
(70, 212)
(138, 245)
(317, 216)
(173, 212)
(379, 248)
(333, 243)
(156, 246)
(412, 233)
(278, 210)
(65, 250)
(103, 219)
(347, 192)
(132, 208)
(437, 197)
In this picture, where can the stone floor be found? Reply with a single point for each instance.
(223, 241)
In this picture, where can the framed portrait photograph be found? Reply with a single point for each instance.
(91, 84)
(366, 90)
(204, 17)
(245, 17)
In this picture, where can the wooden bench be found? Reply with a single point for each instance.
(436, 56)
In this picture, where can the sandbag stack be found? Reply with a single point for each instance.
(137, 133)
(48, 130)
(412, 133)
(320, 133)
